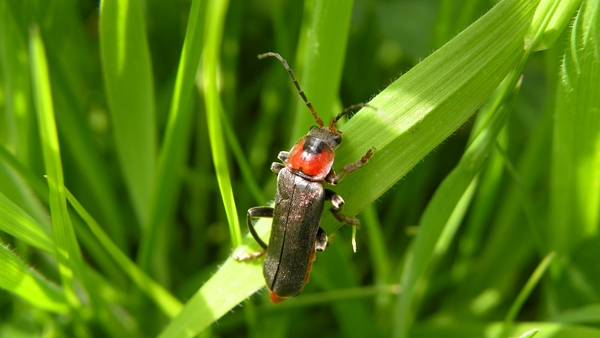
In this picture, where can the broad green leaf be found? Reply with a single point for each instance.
(448, 201)
(575, 189)
(427, 104)
(130, 91)
(22, 280)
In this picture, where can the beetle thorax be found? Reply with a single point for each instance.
(312, 156)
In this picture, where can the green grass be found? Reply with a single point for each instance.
(134, 138)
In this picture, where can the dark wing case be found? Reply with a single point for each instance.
(298, 209)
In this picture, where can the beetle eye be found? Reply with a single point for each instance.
(337, 139)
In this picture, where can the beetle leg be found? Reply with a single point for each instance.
(338, 204)
(276, 167)
(321, 241)
(333, 178)
(283, 155)
(255, 212)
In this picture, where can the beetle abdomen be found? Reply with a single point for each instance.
(298, 209)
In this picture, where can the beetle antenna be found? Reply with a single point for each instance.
(346, 111)
(300, 91)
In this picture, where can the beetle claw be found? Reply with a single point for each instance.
(243, 257)
(345, 219)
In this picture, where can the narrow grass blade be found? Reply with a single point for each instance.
(129, 88)
(533, 280)
(242, 162)
(16, 222)
(37, 185)
(575, 189)
(377, 247)
(68, 254)
(215, 17)
(320, 59)
(22, 280)
(526, 202)
(176, 137)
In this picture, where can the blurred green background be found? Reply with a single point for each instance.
(479, 225)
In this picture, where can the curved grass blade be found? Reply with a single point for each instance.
(427, 104)
(215, 17)
(533, 280)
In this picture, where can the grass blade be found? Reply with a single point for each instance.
(129, 89)
(215, 17)
(533, 280)
(16, 222)
(233, 283)
(67, 249)
(414, 115)
(553, 16)
(443, 205)
(575, 192)
(20, 279)
(320, 61)
(176, 135)
(161, 297)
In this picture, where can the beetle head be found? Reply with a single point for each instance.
(327, 135)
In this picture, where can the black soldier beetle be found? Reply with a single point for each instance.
(299, 203)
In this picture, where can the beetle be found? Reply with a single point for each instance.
(299, 204)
